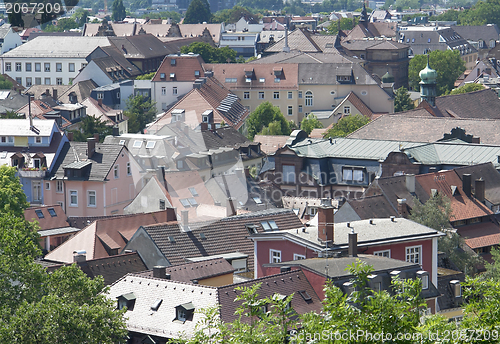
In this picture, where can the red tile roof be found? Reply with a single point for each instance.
(462, 206)
(480, 234)
(48, 221)
(184, 68)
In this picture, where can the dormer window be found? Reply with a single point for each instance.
(172, 75)
(162, 75)
(196, 73)
(126, 300)
(424, 277)
(456, 288)
(184, 312)
(172, 62)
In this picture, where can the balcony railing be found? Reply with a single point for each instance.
(32, 172)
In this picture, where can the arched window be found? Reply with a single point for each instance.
(309, 98)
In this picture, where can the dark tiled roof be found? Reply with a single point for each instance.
(112, 69)
(359, 104)
(189, 272)
(224, 137)
(184, 68)
(440, 39)
(303, 40)
(271, 143)
(110, 268)
(48, 221)
(223, 236)
(393, 188)
(475, 33)
(296, 56)
(372, 207)
(285, 284)
(140, 46)
(326, 74)
(447, 299)
(490, 176)
(119, 57)
(81, 90)
(466, 105)
(102, 160)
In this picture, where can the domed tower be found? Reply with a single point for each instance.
(363, 19)
(428, 84)
(387, 78)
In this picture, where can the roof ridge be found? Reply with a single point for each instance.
(262, 278)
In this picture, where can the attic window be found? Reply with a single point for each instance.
(150, 144)
(122, 142)
(329, 45)
(202, 236)
(185, 203)
(137, 144)
(197, 73)
(193, 192)
(171, 239)
(126, 300)
(429, 40)
(184, 312)
(257, 200)
(162, 204)
(172, 75)
(305, 295)
(262, 80)
(156, 305)
(265, 225)
(39, 213)
(252, 229)
(454, 190)
(162, 75)
(172, 62)
(52, 212)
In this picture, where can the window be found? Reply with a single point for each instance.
(288, 173)
(231, 80)
(19, 80)
(383, 253)
(8, 66)
(73, 198)
(275, 256)
(181, 314)
(163, 91)
(277, 80)
(413, 254)
(39, 214)
(18, 67)
(29, 81)
(129, 170)
(52, 212)
(180, 164)
(37, 191)
(192, 202)
(38, 67)
(196, 73)
(59, 81)
(246, 95)
(71, 67)
(115, 171)
(100, 95)
(47, 185)
(162, 75)
(193, 192)
(172, 62)
(59, 186)
(185, 202)
(300, 108)
(61, 204)
(298, 256)
(290, 95)
(261, 95)
(38, 81)
(262, 80)
(276, 95)
(300, 94)
(137, 144)
(150, 144)
(91, 199)
(46, 81)
(36, 163)
(46, 67)
(429, 40)
(290, 110)
(347, 109)
(352, 174)
(174, 90)
(172, 75)
(425, 281)
(58, 67)
(309, 98)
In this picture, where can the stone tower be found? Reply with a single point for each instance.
(428, 84)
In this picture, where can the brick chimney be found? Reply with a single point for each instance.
(402, 208)
(90, 147)
(99, 102)
(69, 134)
(325, 221)
(203, 126)
(230, 209)
(54, 93)
(467, 184)
(479, 189)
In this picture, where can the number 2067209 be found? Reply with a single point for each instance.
(32, 7)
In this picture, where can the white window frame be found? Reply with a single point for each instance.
(276, 95)
(71, 203)
(309, 99)
(58, 67)
(163, 91)
(425, 282)
(261, 95)
(61, 204)
(19, 67)
(246, 95)
(36, 187)
(290, 110)
(290, 95)
(89, 205)
(47, 185)
(410, 255)
(59, 186)
(347, 109)
(274, 256)
(383, 253)
(8, 66)
(116, 171)
(71, 67)
(46, 67)
(174, 91)
(298, 256)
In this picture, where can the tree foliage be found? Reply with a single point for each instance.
(198, 12)
(402, 100)
(210, 54)
(471, 87)
(343, 24)
(435, 213)
(448, 65)
(89, 126)
(457, 251)
(309, 123)
(268, 120)
(232, 15)
(140, 111)
(346, 125)
(481, 13)
(118, 11)
(4, 83)
(493, 268)
(272, 5)
(148, 76)
(12, 197)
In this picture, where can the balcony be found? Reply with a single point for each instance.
(31, 172)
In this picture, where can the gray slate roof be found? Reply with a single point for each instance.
(326, 74)
(475, 33)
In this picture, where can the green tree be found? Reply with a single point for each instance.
(493, 269)
(80, 16)
(402, 100)
(448, 65)
(309, 123)
(89, 126)
(148, 76)
(12, 197)
(210, 54)
(471, 87)
(198, 12)
(267, 118)
(140, 111)
(11, 115)
(118, 10)
(457, 251)
(343, 24)
(435, 213)
(4, 83)
(346, 125)
(232, 15)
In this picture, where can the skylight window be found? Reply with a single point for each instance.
(172, 75)
(52, 212)
(265, 225)
(252, 229)
(122, 142)
(185, 203)
(137, 144)
(193, 202)
(305, 295)
(150, 144)
(39, 213)
(257, 200)
(202, 236)
(171, 239)
(273, 225)
(156, 305)
(162, 75)
(193, 192)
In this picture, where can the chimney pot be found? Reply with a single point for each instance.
(402, 209)
(325, 222)
(167, 276)
(393, 218)
(479, 190)
(230, 209)
(90, 147)
(353, 244)
(467, 184)
(159, 271)
(69, 135)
